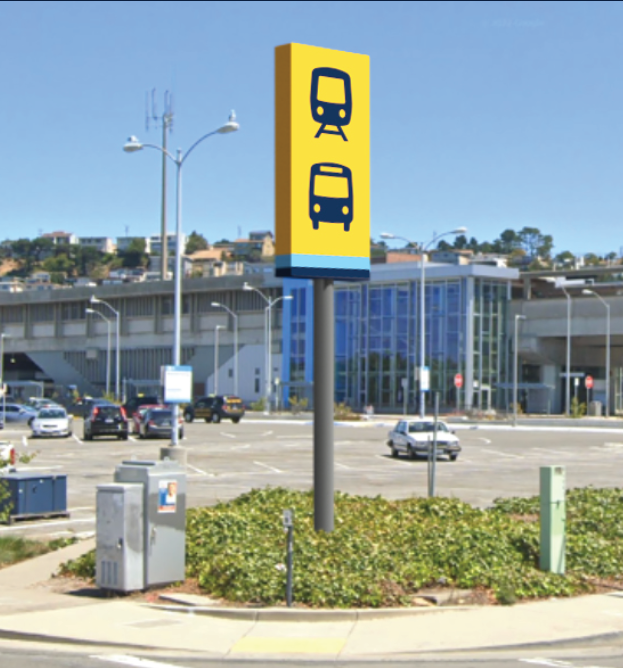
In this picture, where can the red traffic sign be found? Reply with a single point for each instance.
(458, 380)
(588, 381)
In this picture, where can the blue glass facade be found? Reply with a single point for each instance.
(377, 340)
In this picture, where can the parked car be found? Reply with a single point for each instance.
(105, 420)
(136, 418)
(52, 421)
(17, 413)
(215, 408)
(37, 403)
(83, 406)
(157, 423)
(132, 405)
(415, 438)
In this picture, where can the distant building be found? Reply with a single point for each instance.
(10, 284)
(123, 243)
(408, 255)
(451, 256)
(102, 244)
(259, 244)
(155, 243)
(490, 260)
(61, 238)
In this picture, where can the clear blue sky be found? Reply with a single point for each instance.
(484, 114)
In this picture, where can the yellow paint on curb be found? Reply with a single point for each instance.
(289, 645)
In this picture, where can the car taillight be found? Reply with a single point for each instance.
(151, 423)
(123, 413)
(96, 412)
(12, 457)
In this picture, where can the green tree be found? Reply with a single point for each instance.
(566, 257)
(507, 242)
(196, 242)
(134, 255)
(592, 260)
(535, 243)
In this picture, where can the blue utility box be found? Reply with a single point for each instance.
(34, 494)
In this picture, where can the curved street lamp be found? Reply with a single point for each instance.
(101, 315)
(605, 303)
(132, 146)
(423, 248)
(268, 335)
(95, 300)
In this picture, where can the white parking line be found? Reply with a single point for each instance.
(272, 468)
(128, 660)
(77, 439)
(246, 446)
(502, 454)
(267, 433)
(343, 466)
(224, 433)
(296, 436)
(552, 452)
(399, 462)
(132, 438)
(200, 471)
(550, 662)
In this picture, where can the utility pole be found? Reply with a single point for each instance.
(166, 122)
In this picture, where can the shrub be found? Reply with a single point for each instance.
(297, 405)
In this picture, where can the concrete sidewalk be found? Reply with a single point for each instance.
(30, 611)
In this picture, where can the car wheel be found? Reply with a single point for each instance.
(394, 451)
(188, 417)
(235, 420)
(124, 437)
(181, 436)
(208, 419)
(453, 458)
(87, 437)
(411, 453)
(216, 418)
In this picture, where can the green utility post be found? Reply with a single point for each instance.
(553, 518)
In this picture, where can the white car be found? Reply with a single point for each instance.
(415, 438)
(52, 421)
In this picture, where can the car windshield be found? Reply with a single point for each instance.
(418, 427)
(160, 414)
(106, 411)
(48, 413)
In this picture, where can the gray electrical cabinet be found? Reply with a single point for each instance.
(119, 544)
(164, 525)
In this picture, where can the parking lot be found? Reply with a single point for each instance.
(226, 460)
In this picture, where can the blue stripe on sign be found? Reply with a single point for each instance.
(322, 261)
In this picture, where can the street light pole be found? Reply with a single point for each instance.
(235, 317)
(131, 146)
(603, 301)
(268, 334)
(95, 300)
(2, 337)
(568, 361)
(518, 317)
(216, 330)
(423, 248)
(90, 310)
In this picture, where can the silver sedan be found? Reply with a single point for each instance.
(415, 439)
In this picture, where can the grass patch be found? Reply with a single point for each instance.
(14, 550)
(383, 552)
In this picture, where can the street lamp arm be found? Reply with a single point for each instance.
(162, 150)
(192, 148)
(259, 292)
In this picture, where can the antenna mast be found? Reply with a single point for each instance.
(165, 122)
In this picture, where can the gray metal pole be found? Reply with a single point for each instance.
(289, 566)
(177, 297)
(434, 458)
(422, 330)
(118, 361)
(216, 360)
(164, 255)
(607, 360)
(108, 359)
(270, 357)
(267, 358)
(236, 355)
(515, 372)
(2, 378)
(324, 345)
(568, 361)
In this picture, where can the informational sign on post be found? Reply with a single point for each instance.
(178, 384)
(322, 206)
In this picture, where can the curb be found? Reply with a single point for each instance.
(294, 615)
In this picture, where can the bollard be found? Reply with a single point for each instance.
(288, 525)
(553, 518)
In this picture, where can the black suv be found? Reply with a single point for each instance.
(215, 409)
(105, 420)
(132, 405)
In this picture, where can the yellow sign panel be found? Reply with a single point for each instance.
(322, 135)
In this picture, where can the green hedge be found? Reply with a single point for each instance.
(382, 552)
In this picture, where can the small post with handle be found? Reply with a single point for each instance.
(288, 525)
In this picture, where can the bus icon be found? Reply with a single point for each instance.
(331, 100)
(331, 194)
